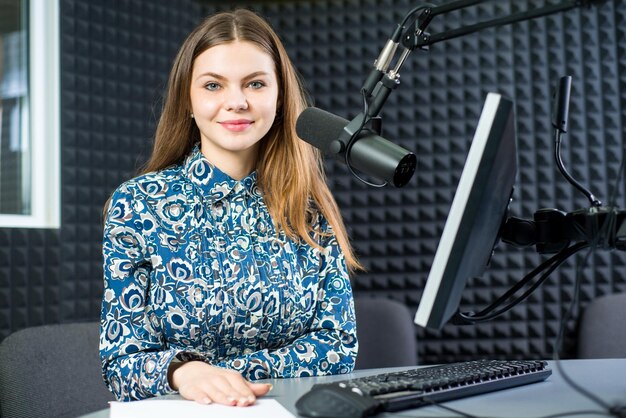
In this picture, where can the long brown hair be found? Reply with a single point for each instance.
(290, 172)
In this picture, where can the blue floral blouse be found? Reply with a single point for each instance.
(194, 269)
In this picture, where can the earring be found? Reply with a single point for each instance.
(191, 114)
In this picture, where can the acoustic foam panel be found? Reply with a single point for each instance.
(115, 60)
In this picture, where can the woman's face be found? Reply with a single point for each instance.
(234, 94)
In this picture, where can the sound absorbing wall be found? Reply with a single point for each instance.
(115, 58)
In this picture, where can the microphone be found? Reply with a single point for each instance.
(560, 108)
(369, 153)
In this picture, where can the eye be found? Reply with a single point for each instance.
(256, 84)
(212, 86)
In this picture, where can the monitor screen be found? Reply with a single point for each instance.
(476, 214)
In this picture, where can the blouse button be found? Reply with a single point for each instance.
(197, 294)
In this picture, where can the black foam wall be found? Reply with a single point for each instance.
(115, 60)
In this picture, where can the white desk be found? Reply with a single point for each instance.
(606, 379)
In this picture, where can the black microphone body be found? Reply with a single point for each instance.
(369, 153)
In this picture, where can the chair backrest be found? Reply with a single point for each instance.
(52, 371)
(602, 328)
(386, 333)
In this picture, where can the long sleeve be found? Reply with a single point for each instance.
(329, 346)
(194, 270)
(132, 350)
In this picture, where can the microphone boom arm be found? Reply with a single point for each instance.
(420, 39)
(382, 81)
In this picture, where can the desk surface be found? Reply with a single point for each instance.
(604, 378)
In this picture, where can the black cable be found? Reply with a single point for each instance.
(618, 179)
(572, 413)
(604, 236)
(353, 139)
(607, 227)
(564, 253)
(617, 410)
(527, 293)
(549, 266)
(460, 413)
(447, 408)
(559, 340)
(442, 406)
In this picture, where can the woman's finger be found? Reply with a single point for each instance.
(220, 391)
(245, 395)
(195, 393)
(259, 389)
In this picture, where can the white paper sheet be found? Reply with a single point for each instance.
(155, 408)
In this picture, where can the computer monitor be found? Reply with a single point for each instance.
(476, 214)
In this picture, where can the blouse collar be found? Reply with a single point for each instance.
(213, 183)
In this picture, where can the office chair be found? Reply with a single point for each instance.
(52, 371)
(386, 334)
(602, 328)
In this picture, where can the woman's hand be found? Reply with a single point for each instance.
(204, 383)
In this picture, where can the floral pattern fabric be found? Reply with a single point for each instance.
(194, 269)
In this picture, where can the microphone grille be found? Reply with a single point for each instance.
(319, 128)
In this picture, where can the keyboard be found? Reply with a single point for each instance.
(395, 391)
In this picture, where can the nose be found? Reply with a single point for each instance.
(236, 100)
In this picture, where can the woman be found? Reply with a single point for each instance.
(226, 260)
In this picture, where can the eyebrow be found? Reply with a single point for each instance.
(221, 77)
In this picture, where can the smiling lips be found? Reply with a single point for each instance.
(237, 125)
